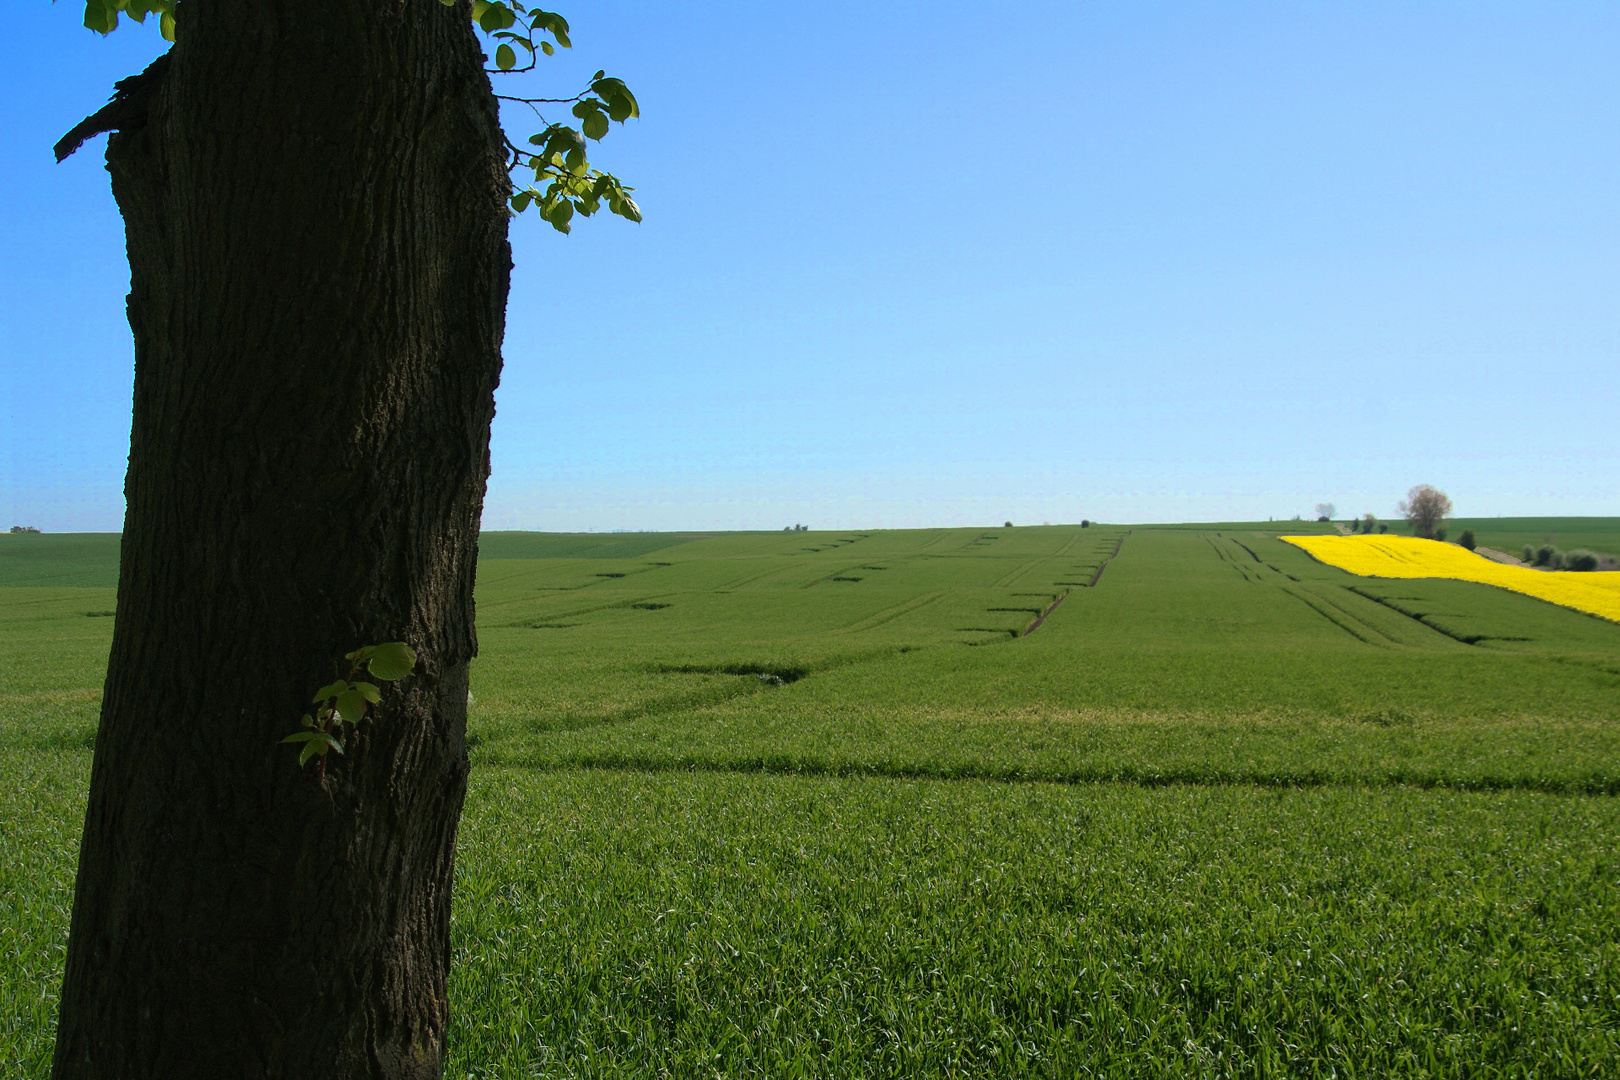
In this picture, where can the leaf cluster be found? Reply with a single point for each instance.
(498, 19)
(559, 162)
(565, 183)
(346, 701)
(102, 15)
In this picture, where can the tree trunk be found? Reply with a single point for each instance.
(317, 243)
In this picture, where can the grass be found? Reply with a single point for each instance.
(41, 813)
(531, 545)
(1226, 811)
(726, 925)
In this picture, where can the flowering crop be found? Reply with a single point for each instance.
(1408, 557)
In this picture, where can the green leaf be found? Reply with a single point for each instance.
(565, 140)
(392, 660)
(100, 16)
(545, 47)
(595, 125)
(351, 706)
(359, 655)
(330, 690)
(496, 17)
(318, 746)
(621, 103)
(627, 208)
(520, 201)
(369, 691)
(560, 214)
(553, 23)
(505, 58)
(166, 26)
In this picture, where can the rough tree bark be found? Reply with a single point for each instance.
(314, 205)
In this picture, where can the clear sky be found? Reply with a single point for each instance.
(922, 264)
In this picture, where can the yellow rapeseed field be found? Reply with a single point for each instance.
(1597, 592)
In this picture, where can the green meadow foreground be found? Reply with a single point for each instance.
(815, 804)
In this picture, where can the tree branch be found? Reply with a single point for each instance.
(125, 111)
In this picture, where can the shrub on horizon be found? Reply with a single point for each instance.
(1581, 560)
(1466, 539)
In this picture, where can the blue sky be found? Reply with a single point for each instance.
(918, 264)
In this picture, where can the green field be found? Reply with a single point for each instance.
(796, 804)
(1601, 535)
(71, 560)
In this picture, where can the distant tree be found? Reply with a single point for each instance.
(1425, 510)
(1549, 556)
(1368, 523)
(1324, 511)
(1467, 539)
(1006, 524)
(24, 529)
(1084, 524)
(1529, 555)
(1383, 528)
